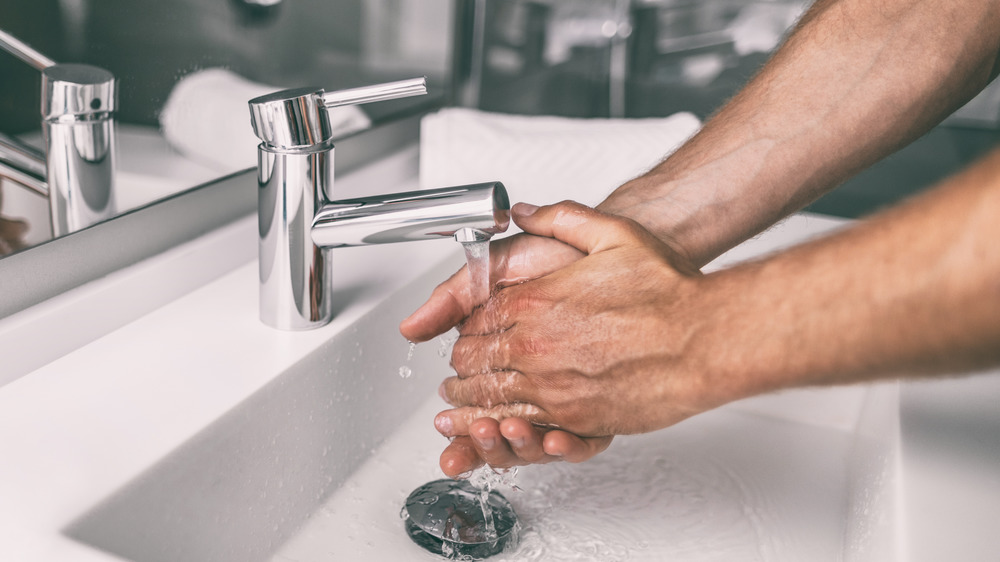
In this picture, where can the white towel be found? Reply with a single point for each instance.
(543, 160)
(207, 119)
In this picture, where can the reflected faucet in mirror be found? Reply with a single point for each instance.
(76, 170)
(299, 220)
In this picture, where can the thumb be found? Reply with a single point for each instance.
(582, 227)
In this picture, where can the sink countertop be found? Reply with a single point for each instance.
(80, 427)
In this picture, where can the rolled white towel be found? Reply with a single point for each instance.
(206, 118)
(542, 159)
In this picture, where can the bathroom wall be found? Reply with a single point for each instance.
(37, 23)
(618, 58)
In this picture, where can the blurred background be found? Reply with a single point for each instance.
(575, 58)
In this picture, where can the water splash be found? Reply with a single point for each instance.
(445, 343)
(485, 479)
(405, 371)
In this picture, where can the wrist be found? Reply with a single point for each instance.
(741, 348)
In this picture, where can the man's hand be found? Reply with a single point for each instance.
(596, 348)
(482, 436)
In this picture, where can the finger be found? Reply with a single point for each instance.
(458, 421)
(448, 304)
(459, 457)
(525, 440)
(582, 227)
(525, 256)
(508, 393)
(573, 448)
(491, 445)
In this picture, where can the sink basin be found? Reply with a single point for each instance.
(311, 468)
(316, 464)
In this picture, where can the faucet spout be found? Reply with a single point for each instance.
(464, 212)
(23, 164)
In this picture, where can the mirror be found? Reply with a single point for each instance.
(185, 69)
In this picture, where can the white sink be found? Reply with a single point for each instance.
(316, 465)
(197, 433)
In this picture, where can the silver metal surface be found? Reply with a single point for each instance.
(76, 172)
(23, 164)
(377, 92)
(80, 171)
(299, 219)
(298, 118)
(23, 51)
(77, 91)
(416, 215)
(446, 517)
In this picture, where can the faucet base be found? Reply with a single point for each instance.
(293, 270)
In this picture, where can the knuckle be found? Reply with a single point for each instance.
(528, 345)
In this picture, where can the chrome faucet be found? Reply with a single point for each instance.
(299, 220)
(76, 170)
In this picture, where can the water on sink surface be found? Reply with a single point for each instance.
(721, 486)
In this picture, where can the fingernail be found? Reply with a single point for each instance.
(443, 424)
(524, 209)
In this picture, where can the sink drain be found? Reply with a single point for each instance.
(445, 517)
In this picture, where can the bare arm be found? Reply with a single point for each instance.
(856, 80)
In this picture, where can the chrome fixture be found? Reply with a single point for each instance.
(76, 171)
(299, 220)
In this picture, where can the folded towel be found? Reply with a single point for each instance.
(206, 118)
(543, 160)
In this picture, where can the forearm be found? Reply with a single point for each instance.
(854, 82)
(912, 291)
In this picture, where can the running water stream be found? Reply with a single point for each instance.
(477, 256)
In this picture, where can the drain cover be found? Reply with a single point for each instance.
(445, 517)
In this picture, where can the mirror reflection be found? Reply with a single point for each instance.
(184, 70)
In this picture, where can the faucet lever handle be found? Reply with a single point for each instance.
(298, 118)
(23, 51)
(377, 92)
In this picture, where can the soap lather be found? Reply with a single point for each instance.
(299, 220)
